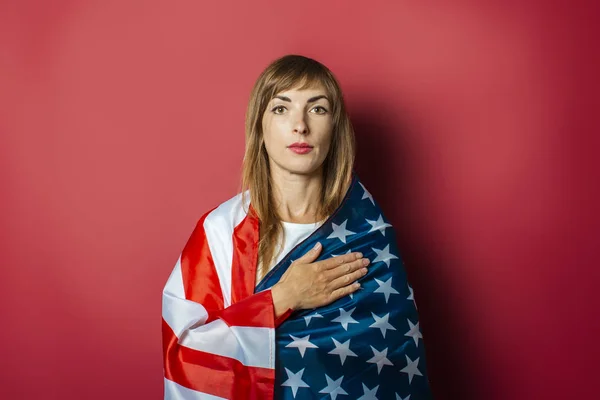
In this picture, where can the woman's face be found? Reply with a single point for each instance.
(297, 129)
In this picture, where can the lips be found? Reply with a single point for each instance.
(300, 146)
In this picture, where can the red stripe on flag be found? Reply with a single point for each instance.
(200, 279)
(213, 374)
(245, 255)
(255, 311)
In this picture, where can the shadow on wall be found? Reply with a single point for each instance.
(392, 162)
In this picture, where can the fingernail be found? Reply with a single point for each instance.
(317, 246)
(366, 261)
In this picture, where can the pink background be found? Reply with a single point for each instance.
(121, 122)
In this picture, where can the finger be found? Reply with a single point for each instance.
(347, 268)
(347, 279)
(339, 260)
(310, 255)
(344, 291)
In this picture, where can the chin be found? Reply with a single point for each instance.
(304, 169)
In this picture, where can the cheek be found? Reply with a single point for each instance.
(271, 139)
(327, 139)
(267, 130)
(326, 147)
(266, 122)
(271, 128)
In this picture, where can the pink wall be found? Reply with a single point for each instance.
(122, 122)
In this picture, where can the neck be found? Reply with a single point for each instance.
(296, 196)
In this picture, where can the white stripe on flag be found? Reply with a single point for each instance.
(251, 346)
(218, 227)
(174, 391)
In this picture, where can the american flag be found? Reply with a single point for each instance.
(221, 340)
(364, 346)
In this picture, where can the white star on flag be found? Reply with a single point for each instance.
(414, 332)
(366, 194)
(378, 225)
(379, 358)
(294, 381)
(345, 318)
(308, 318)
(342, 350)
(382, 323)
(333, 388)
(385, 288)
(340, 232)
(384, 255)
(369, 393)
(400, 398)
(302, 344)
(411, 368)
(411, 296)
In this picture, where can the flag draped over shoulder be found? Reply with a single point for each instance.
(221, 338)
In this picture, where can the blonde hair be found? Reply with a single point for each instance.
(293, 71)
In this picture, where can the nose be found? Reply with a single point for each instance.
(300, 126)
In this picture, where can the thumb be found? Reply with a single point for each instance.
(310, 255)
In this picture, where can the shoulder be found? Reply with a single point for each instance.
(228, 214)
(216, 226)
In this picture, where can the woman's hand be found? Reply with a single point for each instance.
(308, 284)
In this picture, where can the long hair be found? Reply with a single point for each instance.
(293, 71)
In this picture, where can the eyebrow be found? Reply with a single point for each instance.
(311, 100)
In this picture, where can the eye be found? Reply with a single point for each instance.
(320, 110)
(278, 109)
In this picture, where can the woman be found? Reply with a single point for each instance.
(264, 301)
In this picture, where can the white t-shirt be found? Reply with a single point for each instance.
(294, 234)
